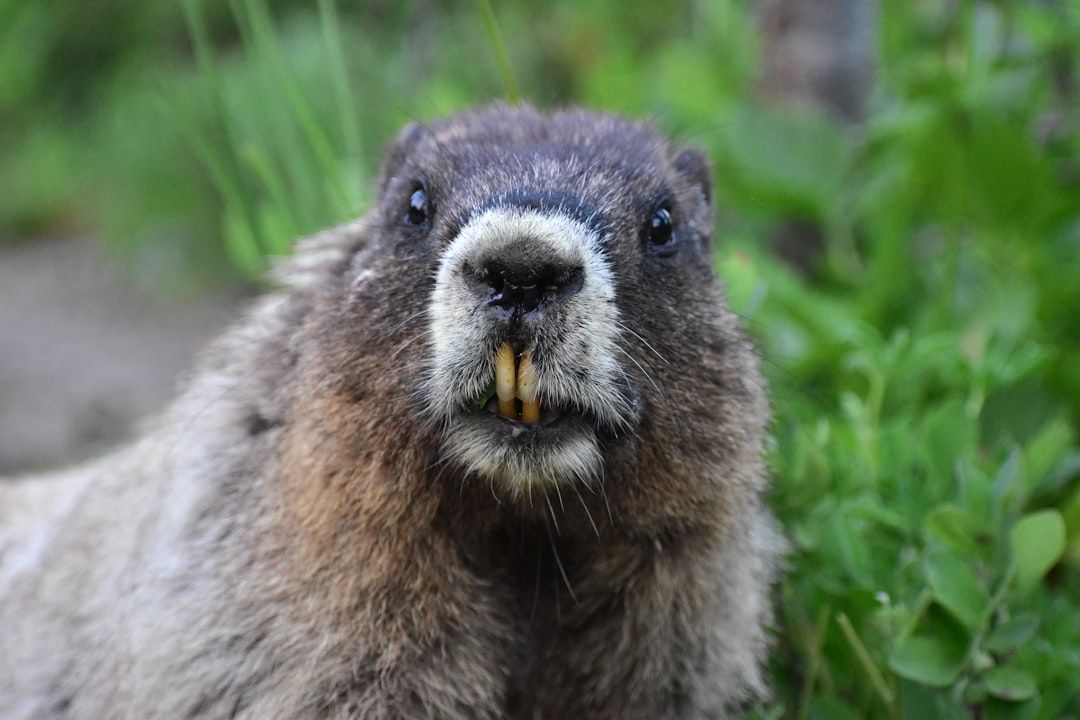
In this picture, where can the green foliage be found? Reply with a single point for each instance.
(921, 548)
(281, 174)
(926, 432)
(925, 376)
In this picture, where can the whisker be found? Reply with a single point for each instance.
(585, 507)
(644, 372)
(603, 494)
(561, 569)
(539, 578)
(558, 491)
(644, 342)
(404, 345)
(551, 510)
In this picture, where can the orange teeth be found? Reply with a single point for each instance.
(515, 382)
(506, 380)
(526, 389)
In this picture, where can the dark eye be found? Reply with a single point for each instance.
(417, 214)
(661, 233)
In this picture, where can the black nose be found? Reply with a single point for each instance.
(518, 289)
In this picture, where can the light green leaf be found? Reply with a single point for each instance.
(1010, 634)
(957, 589)
(1038, 541)
(960, 529)
(927, 660)
(1011, 683)
(949, 433)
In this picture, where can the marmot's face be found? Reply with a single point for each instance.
(565, 249)
(525, 334)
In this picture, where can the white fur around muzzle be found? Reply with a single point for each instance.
(575, 349)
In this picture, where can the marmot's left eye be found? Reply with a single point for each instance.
(661, 233)
(417, 214)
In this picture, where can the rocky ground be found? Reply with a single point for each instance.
(85, 352)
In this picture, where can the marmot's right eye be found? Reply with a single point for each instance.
(417, 214)
(661, 233)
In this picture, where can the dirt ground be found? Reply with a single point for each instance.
(85, 352)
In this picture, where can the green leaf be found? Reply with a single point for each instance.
(957, 589)
(1038, 541)
(1009, 481)
(489, 392)
(927, 660)
(1011, 179)
(846, 535)
(958, 528)
(1065, 468)
(1021, 413)
(1012, 633)
(919, 702)
(1011, 683)
(950, 433)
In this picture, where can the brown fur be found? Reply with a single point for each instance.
(291, 541)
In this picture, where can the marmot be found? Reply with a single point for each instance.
(491, 451)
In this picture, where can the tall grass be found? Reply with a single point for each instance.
(282, 173)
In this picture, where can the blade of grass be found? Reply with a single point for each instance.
(269, 50)
(814, 650)
(225, 171)
(339, 74)
(872, 671)
(275, 187)
(495, 38)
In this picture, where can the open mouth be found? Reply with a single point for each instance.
(519, 433)
(526, 427)
(514, 393)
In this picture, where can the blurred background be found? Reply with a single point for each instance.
(899, 226)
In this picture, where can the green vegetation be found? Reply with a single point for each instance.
(926, 376)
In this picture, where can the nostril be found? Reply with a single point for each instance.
(523, 288)
(565, 283)
(492, 280)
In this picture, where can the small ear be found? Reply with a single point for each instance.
(410, 135)
(396, 152)
(693, 165)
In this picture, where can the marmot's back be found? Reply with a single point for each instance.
(493, 452)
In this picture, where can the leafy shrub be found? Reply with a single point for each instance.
(927, 467)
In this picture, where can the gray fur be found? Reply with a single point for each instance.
(306, 532)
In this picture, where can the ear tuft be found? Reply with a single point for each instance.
(404, 143)
(692, 164)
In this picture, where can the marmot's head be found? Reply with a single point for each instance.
(558, 272)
